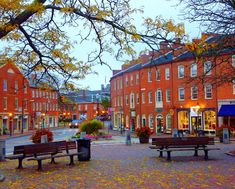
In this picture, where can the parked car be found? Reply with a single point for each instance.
(75, 123)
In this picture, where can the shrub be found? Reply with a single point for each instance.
(36, 137)
(91, 126)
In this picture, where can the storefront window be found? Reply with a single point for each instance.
(183, 120)
(209, 120)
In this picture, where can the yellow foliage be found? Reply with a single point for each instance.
(67, 9)
(136, 37)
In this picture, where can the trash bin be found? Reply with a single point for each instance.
(84, 145)
(2, 150)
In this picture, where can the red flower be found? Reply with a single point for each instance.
(143, 132)
(36, 137)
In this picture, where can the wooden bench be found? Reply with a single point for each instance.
(195, 144)
(39, 152)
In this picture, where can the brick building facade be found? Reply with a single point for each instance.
(166, 92)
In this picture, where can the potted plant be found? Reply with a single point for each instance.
(143, 133)
(36, 137)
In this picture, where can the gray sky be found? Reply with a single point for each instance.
(152, 8)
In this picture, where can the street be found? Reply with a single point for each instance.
(60, 134)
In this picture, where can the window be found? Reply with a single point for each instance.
(16, 86)
(233, 60)
(138, 121)
(158, 75)
(168, 122)
(137, 98)
(85, 106)
(167, 73)
(131, 80)
(168, 95)
(94, 107)
(181, 71)
(114, 85)
(25, 88)
(149, 75)
(194, 93)
(4, 85)
(193, 70)
(16, 103)
(5, 103)
(127, 121)
(132, 100)
(150, 121)
(121, 101)
(33, 94)
(207, 68)
(208, 91)
(137, 79)
(233, 86)
(159, 96)
(25, 104)
(150, 97)
(36, 93)
(126, 81)
(126, 99)
(120, 83)
(143, 98)
(181, 93)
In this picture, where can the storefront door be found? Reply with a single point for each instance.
(196, 123)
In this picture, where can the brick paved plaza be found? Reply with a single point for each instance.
(121, 166)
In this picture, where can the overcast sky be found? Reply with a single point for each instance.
(152, 8)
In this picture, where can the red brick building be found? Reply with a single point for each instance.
(168, 91)
(15, 100)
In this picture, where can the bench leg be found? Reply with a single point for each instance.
(20, 163)
(168, 155)
(71, 160)
(39, 165)
(196, 152)
(53, 161)
(206, 154)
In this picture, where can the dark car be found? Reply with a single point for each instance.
(75, 123)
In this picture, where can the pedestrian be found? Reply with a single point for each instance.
(128, 138)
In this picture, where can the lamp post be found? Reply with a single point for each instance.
(98, 108)
(10, 123)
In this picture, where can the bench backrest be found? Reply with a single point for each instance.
(42, 148)
(183, 141)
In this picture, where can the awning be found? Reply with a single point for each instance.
(227, 110)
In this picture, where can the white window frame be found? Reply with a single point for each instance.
(4, 103)
(159, 95)
(16, 86)
(131, 82)
(193, 70)
(4, 85)
(150, 97)
(137, 78)
(167, 73)
(126, 81)
(233, 60)
(168, 95)
(180, 71)
(207, 67)
(150, 121)
(132, 100)
(179, 94)
(150, 75)
(143, 97)
(194, 93)
(127, 100)
(234, 86)
(207, 88)
(137, 98)
(158, 74)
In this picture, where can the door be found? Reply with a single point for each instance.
(195, 123)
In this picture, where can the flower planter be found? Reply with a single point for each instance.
(144, 140)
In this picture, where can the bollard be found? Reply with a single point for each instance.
(128, 138)
(2, 150)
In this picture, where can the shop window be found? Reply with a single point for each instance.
(183, 120)
(209, 120)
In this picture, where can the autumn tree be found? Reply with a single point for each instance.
(35, 34)
(217, 18)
